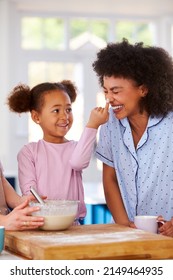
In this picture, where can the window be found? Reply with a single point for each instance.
(95, 27)
(42, 33)
(135, 31)
(84, 33)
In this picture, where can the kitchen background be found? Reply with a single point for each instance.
(49, 40)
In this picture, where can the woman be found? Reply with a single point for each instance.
(20, 217)
(136, 144)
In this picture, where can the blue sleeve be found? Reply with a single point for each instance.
(103, 150)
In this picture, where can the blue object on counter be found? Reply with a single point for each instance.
(97, 214)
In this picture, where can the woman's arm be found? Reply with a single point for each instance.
(113, 197)
(20, 218)
(12, 198)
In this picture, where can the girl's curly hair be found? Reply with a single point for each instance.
(146, 65)
(23, 99)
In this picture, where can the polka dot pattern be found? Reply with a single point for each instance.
(145, 174)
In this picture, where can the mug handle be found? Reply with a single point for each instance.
(161, 223)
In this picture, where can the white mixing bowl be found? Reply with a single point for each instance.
(58, 214)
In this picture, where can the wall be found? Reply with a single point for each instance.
(13, 135)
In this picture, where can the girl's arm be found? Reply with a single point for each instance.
(26, 170)
(113, 196)
(83, 151)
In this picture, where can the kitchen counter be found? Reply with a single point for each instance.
(9, 256)
(100, 241)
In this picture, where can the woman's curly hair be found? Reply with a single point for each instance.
(146, 65)
(23, 99)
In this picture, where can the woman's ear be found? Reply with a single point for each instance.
(144, 90)
(35, 116)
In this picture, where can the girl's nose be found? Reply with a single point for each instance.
(64, 115)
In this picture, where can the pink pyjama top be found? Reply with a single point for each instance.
(55, 170)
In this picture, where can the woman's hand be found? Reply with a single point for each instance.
(167, 228)
(30, 197)
(132, 225)
(21, 218)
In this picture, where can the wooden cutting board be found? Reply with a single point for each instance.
(103, 241)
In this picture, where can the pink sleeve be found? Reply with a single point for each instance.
(26, 170)
(84, 149)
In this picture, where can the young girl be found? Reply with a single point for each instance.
(20, 217)
(54, 165)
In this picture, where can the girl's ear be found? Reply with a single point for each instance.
(35, 116)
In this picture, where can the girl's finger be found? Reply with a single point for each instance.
(107, 105)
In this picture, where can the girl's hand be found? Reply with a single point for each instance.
(98, 116)
(21, 218)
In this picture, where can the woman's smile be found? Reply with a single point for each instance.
(117, 108)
